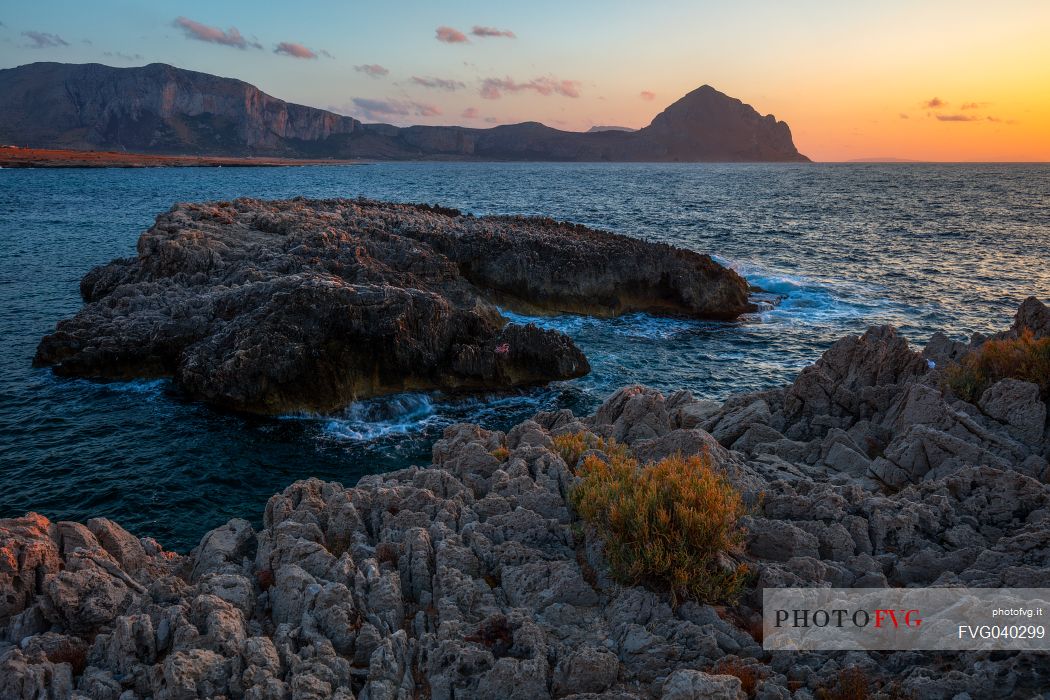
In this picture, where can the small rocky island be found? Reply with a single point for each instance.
(308, 305)
(474, 577)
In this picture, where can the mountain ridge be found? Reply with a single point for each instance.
(160, 108)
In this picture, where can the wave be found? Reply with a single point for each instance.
(396, 417)
(800, 300)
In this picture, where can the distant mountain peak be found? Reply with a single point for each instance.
(159, 108)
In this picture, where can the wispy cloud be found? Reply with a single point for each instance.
(130, 57)
(486, 32)
(471, 113)
(973, 105)
(213, 35)
(902, 115)
(385, 109)
(373, 70)
(325, 54)
(958, 118)
(450, 36)
(647, 95)
(493, 88)
(44, 40)
(290, 48)
(935, 103)
(439, 83)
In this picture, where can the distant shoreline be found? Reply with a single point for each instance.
(13, 157)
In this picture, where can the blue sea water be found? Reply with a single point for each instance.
(923, 247)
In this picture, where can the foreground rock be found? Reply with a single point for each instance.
(273, 307)
(471, 578)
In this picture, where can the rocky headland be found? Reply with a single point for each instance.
(473, 577)
(308, 305)
(163, 109)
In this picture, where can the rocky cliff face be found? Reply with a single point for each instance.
(707, 125)
(162, 109)
(473, 578)
(275, 307)
(157, 108)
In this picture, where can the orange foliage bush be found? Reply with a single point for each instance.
(571, 446)
(1022, 358)
(667, 524)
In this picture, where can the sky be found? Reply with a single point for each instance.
(915, 79)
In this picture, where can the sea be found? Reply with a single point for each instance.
(843, 246)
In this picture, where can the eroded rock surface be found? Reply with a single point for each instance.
(471, 579)
(273, 307)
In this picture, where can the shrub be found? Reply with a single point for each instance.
(571, 447)
(851, 684)
(735, 667)
(501, 453)
(1022, 358)
(667, 525)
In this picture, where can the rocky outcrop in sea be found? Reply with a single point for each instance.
(472, 578)
(308, 305)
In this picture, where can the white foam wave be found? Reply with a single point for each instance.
(415, 414)
(798, 299)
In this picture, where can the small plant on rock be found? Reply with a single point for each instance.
(571, 446)
(851, 684)
(747, 675)
(668, 524)
(1023, 357)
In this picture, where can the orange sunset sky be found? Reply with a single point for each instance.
(918, 80)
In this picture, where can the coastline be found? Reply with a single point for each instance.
(474, 576)
(13, 157)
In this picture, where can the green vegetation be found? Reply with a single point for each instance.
(667, 524)
(1023, 358)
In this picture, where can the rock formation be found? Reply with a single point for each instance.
(163, 109)
(470, 578)
(275, 307)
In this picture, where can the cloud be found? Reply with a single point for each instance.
(450, 36)
(492, 32)
(957, 118)
(973, 105)
(289, 48)
(439, 83)
(214, 35)
(123, 56)
(935, 103)
(902, 115)
(325, 54)
(384, 109)
(44, 40)
(373, 70)
(647, 95)
(493, 88)
(471, 113)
